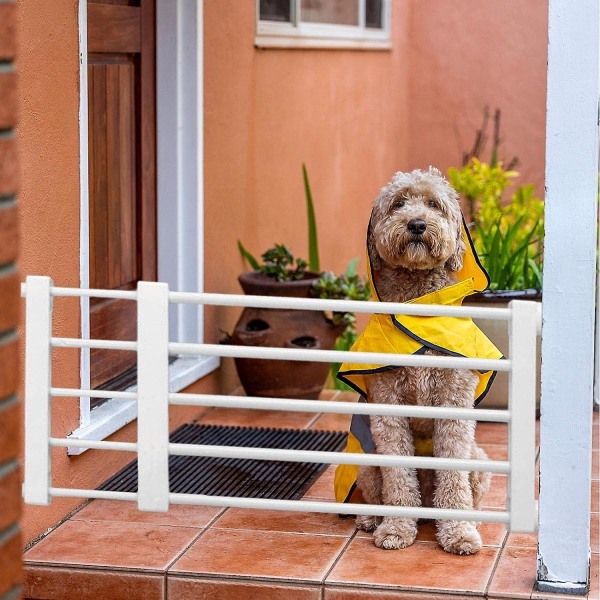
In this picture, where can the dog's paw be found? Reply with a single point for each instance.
(395, 534)
(459, 538)
(367, 522)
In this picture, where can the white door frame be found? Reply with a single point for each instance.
(180, 196)
(569, 296)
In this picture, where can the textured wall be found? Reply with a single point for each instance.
(466, 54)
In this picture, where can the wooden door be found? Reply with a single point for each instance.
(122, 171)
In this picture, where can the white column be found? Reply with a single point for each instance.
(569, 296)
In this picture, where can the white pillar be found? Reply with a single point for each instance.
(569, 296)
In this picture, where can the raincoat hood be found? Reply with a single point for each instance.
(404, 334)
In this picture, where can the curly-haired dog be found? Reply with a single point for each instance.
(416, 245)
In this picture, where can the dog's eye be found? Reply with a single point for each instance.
(432, 204)
(399, 203)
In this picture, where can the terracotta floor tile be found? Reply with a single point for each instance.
(257, 418)
(421, 567)
(328, 394)
(515, 574)
(352, 593)
(492, 534)
(291, 522)
(185, 588)
(177, 515)
(262, 554)
(496, 495)
(58, 584)
(522, 540)
(491, 433)
(594, 533)
(347, 397)
(332, 422)
(495, 451)
(595, 464)
(322, 489)
(122, 545)
(595, 493)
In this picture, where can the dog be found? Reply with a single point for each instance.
(416, 245)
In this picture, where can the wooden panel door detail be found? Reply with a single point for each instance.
(122, 180)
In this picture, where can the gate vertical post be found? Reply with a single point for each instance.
(38, 379)
(521, 437)
(153, 396)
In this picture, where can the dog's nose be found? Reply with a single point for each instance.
(417, 226)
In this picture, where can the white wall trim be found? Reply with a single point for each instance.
(569, 296)
(84, 220)
(180, 193)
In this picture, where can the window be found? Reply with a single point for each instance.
(352, 24)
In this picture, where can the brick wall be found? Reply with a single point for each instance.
(10, 415)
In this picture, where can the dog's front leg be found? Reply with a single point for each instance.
(399, 486)
(453, 439)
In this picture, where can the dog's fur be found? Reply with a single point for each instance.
(406, 266)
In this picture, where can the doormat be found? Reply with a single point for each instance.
(241, 478)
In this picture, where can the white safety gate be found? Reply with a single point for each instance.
(153, 400)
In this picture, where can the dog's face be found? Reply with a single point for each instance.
(416, 223)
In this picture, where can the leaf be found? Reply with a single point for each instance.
(313, 244)
(351, 270)
(245, 254)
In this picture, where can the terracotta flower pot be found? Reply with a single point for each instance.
(497, 332)
(279, 328)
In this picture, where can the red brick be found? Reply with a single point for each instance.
(9, 235)
(8, 165)
(11, 569)
(9, 300)
(10, 427)
(8, 44)
(8, 99)
(10, 499)
(8, 367)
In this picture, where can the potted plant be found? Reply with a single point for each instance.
(279, 274)
(508, 236)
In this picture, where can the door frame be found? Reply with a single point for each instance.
(180, 200)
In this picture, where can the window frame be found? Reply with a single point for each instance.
(299, 34)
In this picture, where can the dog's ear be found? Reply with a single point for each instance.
(455, 262)
(374, 257)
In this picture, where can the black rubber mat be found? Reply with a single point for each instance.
(241, 478)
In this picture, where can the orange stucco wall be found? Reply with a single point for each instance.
(465, 55)
(352, 117)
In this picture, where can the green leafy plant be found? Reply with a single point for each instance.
(348, 286)
(278, 263)
(508, 236)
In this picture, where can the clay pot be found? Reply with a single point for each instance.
(279, 328)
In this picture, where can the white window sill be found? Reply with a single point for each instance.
(114, 414)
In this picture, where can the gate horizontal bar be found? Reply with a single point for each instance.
(375, 358)
(357, 306)
(341, 458)
(75, 392)
(61, 342)
(299, 505)
(335, 407)
(95, 444)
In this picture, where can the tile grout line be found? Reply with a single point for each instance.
(195, 539)
(336, 561)
(495, 567)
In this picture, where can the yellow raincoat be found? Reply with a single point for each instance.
(403, 334)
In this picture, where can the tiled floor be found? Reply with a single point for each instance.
(110, 551)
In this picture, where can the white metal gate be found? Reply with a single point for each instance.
(153, 399)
